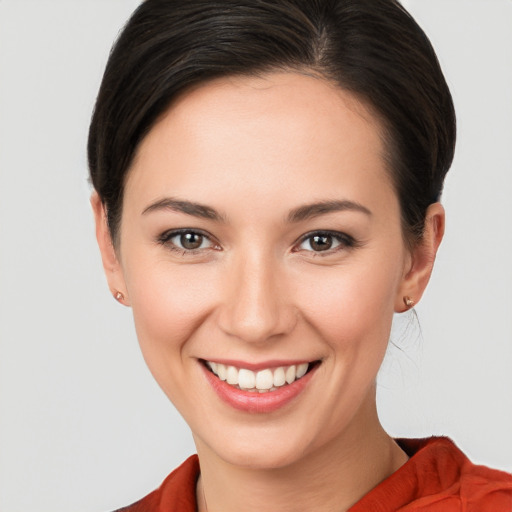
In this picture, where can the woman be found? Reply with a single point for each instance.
(267, 180)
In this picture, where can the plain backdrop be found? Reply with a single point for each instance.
(83, 427)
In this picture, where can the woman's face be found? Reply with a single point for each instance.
(260, 231)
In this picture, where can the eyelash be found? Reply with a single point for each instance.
(344, 241)
(165, 239)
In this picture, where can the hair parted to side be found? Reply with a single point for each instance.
(371, 48)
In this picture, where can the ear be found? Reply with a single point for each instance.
(111, 264)
(422, 259)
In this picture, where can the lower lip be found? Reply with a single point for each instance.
(255, 402)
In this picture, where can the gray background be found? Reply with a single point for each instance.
(83, 427)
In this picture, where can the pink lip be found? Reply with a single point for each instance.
(257, 402)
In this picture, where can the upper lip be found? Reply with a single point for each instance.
(274, 363)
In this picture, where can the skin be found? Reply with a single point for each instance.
(255, 149)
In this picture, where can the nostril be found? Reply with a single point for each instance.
(254, 322)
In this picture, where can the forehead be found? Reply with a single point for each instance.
(279, 132)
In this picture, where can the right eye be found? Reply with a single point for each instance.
(187, 241)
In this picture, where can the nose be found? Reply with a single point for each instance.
(257, 306)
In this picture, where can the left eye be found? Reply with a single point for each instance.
(323, 242)
(186, 240)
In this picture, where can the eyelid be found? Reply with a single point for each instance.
(165, 239)
(346, 241)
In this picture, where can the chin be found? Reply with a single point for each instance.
(256, 458)
(261, 448)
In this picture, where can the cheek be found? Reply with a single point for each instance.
(351, 305)
(169, 304)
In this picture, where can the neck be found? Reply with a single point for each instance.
(331, 478)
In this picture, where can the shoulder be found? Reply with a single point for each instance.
(439, 477)
(177, 491)
(476, 487)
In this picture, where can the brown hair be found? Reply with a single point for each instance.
(372, 48)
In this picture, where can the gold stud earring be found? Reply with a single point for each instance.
(119, 296)
(409, 303)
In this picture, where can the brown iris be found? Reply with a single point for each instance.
(191, 240)
(321, 242)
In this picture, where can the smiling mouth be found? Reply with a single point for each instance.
(262, 381)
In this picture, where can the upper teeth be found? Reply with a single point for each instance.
(263, 380)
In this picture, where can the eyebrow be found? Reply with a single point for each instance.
(310, 211)
(299, 214)
(187, 207)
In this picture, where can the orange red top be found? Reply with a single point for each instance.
(438, 477)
